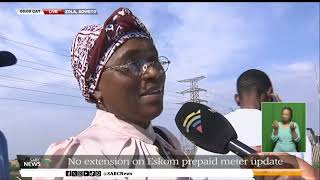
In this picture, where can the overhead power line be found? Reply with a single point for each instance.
(44, 65)
(32, 81)
(38, 91)
(39, 69)
(41, 102)
(32, 46)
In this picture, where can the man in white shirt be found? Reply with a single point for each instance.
(253, 88)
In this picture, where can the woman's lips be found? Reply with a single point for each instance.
(153, 91)
(152, 96)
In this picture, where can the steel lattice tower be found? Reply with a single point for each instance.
(188, 147)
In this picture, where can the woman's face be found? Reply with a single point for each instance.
(286, 116)
(133, 99)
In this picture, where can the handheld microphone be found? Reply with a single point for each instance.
(7, 59)
(209, 130)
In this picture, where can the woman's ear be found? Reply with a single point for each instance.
(270, 93)
(97, 96)
(99, 100)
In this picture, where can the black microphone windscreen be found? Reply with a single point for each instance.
(205, 128)
(7, 59)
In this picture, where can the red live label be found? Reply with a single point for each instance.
(53, 11)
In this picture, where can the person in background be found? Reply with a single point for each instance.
(6, 59)
(285, 133)
(253, 87)
(4, 161)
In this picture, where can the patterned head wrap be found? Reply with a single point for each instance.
(94, 45)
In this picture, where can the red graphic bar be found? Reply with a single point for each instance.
(53, 11)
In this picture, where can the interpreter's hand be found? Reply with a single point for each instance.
(292, 126)
(275, 125)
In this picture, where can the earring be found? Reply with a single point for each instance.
(99, 101)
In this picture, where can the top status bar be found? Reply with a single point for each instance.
(56, 11)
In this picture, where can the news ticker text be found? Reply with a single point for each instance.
(154, 162)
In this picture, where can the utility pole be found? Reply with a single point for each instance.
(188, 147)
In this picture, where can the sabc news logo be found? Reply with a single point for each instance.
(34, 162)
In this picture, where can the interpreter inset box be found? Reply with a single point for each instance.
(283, 126)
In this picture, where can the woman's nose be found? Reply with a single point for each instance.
(153, 72)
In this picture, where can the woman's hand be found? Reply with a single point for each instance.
(275, 125)
(292, 126)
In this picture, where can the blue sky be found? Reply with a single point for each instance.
(217, 40)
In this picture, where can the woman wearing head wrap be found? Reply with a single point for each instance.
(118, 68)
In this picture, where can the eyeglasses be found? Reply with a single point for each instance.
(139, 67)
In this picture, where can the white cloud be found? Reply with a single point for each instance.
(207, 34)
(300, 67)
(296, 83)
(145, 12)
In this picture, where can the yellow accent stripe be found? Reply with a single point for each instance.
(189, 116)
(277, 172)
(192, 120)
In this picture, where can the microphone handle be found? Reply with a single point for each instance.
(240, 149)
